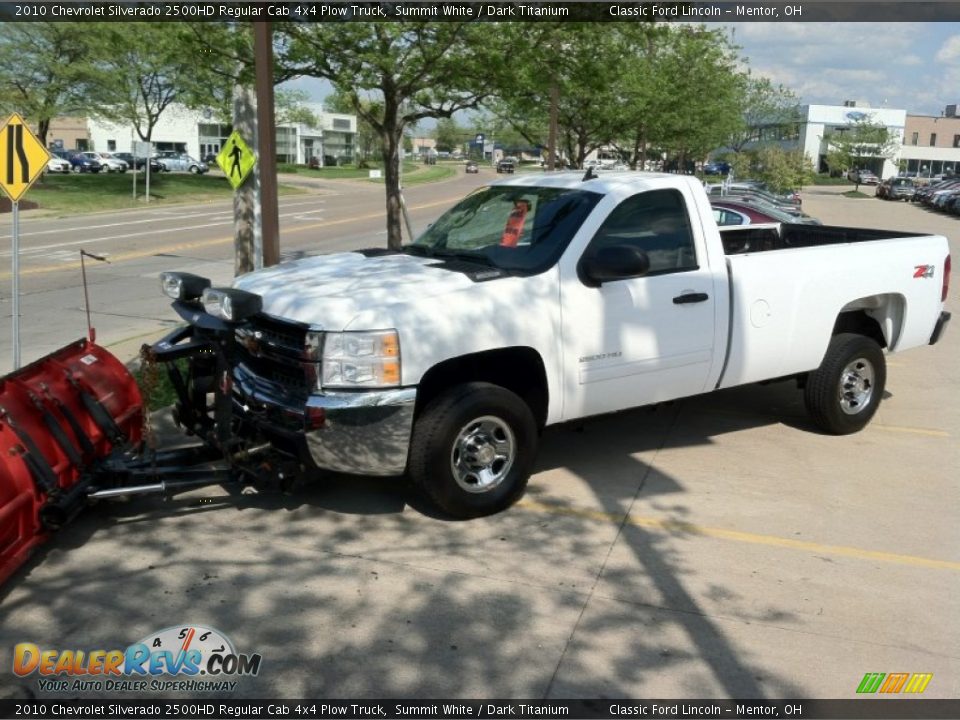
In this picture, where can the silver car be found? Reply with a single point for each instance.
(183, 163)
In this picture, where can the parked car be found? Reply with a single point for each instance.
(139, 163)
(863, 177)
(81, 162)
(108, 161)
(733, 212)
(896, 188)
(314, 163)
(716, 168)
(507, 165)
(787, 202)
(472, 167)
(183, 163)
(58, 165)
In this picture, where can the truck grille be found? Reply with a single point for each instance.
(275, 350)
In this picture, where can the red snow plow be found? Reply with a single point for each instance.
(60, 418)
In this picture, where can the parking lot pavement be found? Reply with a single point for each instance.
(714, 547)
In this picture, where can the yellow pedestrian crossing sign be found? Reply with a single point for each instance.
(23, 157)
(236, 159)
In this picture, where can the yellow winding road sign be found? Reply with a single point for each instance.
(23, 157)
(236, 159)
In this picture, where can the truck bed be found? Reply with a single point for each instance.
(780, 236)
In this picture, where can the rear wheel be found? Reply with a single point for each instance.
(473, 449)
(843, 394)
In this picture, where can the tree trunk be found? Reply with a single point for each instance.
(43, 128)
(245, 203)
(391, 180)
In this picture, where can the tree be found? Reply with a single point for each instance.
(136, 71)
(576, 64)
(40, 70)
(395, 74)
(700, 69)
(448, 134)
(762, 104)
(783, 170)
(367, 143)
(290, 107)
(851, 146)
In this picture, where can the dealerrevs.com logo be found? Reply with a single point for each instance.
(180, 658)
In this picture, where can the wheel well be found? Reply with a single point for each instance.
(518, 369)
(857, 321)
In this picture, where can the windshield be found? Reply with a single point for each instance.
(522, 229)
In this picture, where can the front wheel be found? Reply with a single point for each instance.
(473, 449)
(843, 394)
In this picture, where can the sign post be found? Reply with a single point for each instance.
(22, 160)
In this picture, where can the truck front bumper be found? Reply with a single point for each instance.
(364, 432)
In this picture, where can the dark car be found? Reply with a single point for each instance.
(82, 163)
(506, 166)
(897, 188)
(732, 212)
(716, 168)
(139, 163)
(472, 167)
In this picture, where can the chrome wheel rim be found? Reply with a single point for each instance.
(856, 386)
(483, 454)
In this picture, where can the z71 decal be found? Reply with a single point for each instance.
(923, 271)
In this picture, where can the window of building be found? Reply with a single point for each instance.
(341, 124)
(933, 139)
(956, 141)
(915, 138)
(112, 145)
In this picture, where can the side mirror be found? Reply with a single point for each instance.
(615, 262)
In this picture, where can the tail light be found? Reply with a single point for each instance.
(946, 279)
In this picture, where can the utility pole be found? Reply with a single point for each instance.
(266, 143)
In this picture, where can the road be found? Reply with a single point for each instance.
(713, 547)
(125, 298)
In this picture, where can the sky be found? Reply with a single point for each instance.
(911, 66)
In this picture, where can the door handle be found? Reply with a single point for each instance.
(690, 298)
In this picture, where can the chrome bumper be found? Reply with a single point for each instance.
(365, 432)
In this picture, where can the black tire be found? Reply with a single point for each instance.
(473, 417)
(843, 394)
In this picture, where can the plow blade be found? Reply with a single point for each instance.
(59, 418)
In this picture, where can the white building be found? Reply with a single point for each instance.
(820, 120)
(200, 133)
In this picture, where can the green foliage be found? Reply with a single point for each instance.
(40, 71)
(784, 170)
(762, 104)
(853, 146)
(394, 74)
(133, 72)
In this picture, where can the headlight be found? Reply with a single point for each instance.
(361, 359)
(231, 304)
(183, 286)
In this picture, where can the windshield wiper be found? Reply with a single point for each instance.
(461, 255)
(420, 250)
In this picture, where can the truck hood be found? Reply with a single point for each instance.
(329, 290)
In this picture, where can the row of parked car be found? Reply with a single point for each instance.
(751, 202)
(943, 195)
(90, 161)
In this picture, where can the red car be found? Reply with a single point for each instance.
(735, 212)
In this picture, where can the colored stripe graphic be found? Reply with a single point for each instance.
(870, 682)
(894, 683)
(918, 682)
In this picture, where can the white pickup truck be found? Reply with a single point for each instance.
(542, 299)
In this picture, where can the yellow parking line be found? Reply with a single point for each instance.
(181, 247)
(684, 528)
(913, 430)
